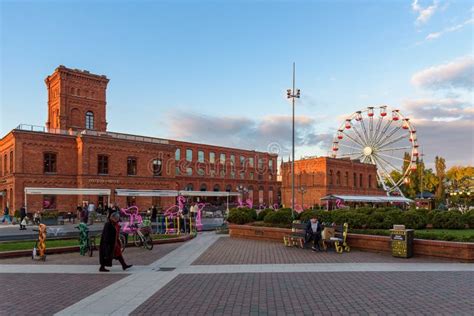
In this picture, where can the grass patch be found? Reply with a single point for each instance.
(57, 243)
(464, 235)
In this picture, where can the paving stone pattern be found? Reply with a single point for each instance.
(46, 294)
(338, 293)
(136, 256)
(244, 251)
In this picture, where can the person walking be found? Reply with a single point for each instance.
(91, 211)
(6, 215)
(110, 247)
(22, 218)
(84, 214)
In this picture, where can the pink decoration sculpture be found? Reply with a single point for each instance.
(134, 219)
(199, 216)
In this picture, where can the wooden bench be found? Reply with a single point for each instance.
(339, 240)
(297, 236)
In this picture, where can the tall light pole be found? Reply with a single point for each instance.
(293, 94)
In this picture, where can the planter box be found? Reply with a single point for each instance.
(49, 221)
(463, 251)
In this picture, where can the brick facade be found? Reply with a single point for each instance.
(75, 137)
(322, 176)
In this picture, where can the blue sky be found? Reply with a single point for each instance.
(217, 71)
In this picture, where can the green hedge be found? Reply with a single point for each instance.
(385, 218)
(362, 218)
(261, 215)
(282, 216)
(242, 216)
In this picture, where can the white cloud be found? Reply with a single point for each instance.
(454, 28)
(271, 133)
(440, 110)
(456, 74)
(424, 13)
(452, 140)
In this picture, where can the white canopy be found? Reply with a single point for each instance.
(208, 193)
(125, 192)
(171, 193)
(67, 191)
(64, 191)
(368, 198)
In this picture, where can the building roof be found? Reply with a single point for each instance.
(368, 198)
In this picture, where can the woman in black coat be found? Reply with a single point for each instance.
(110, 244)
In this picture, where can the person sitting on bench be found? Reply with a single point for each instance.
(313, 232)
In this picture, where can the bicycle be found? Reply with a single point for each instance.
(138, 228)
(86, 241)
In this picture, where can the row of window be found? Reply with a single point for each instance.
(222, 159)
(84, 93)
(346, 179)
(50, 166)
(5, 169)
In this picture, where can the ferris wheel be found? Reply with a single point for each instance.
(379, 136)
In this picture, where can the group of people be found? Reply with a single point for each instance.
(7, 218)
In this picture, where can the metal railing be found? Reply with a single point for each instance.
(137, 138)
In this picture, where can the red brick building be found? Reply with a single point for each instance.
(321, 176)
(75, 150)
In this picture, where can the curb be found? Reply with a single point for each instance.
(59, 250)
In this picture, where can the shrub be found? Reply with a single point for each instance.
(322, 215)
(469, 218)
(261, 215)
(448, 220)
(239, 216)
(282, 216)
(49, 214)
(414, 219)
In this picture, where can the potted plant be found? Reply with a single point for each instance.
(49, 217)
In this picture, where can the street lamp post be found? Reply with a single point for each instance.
(293, 94)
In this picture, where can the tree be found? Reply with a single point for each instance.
(440, 165)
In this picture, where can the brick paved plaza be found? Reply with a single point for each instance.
(311, 293)
(216, 275)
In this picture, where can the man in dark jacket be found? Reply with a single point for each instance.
(110, 247)
(313, 232)
(22, 217)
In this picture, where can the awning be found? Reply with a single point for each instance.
(172, 193)
(66, 191)
(367, 198)
(125, 192)
(208, 193)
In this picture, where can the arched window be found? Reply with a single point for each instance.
(260, 194)
(330, 177)
(203, 187)
(217, 188)
(157, 167)
(338, 178)
(189, 187)
(346, 179)
(89, 120)
(370, 181)
(360, 180)
(228, 188)
(355, 181)
(251, 192)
